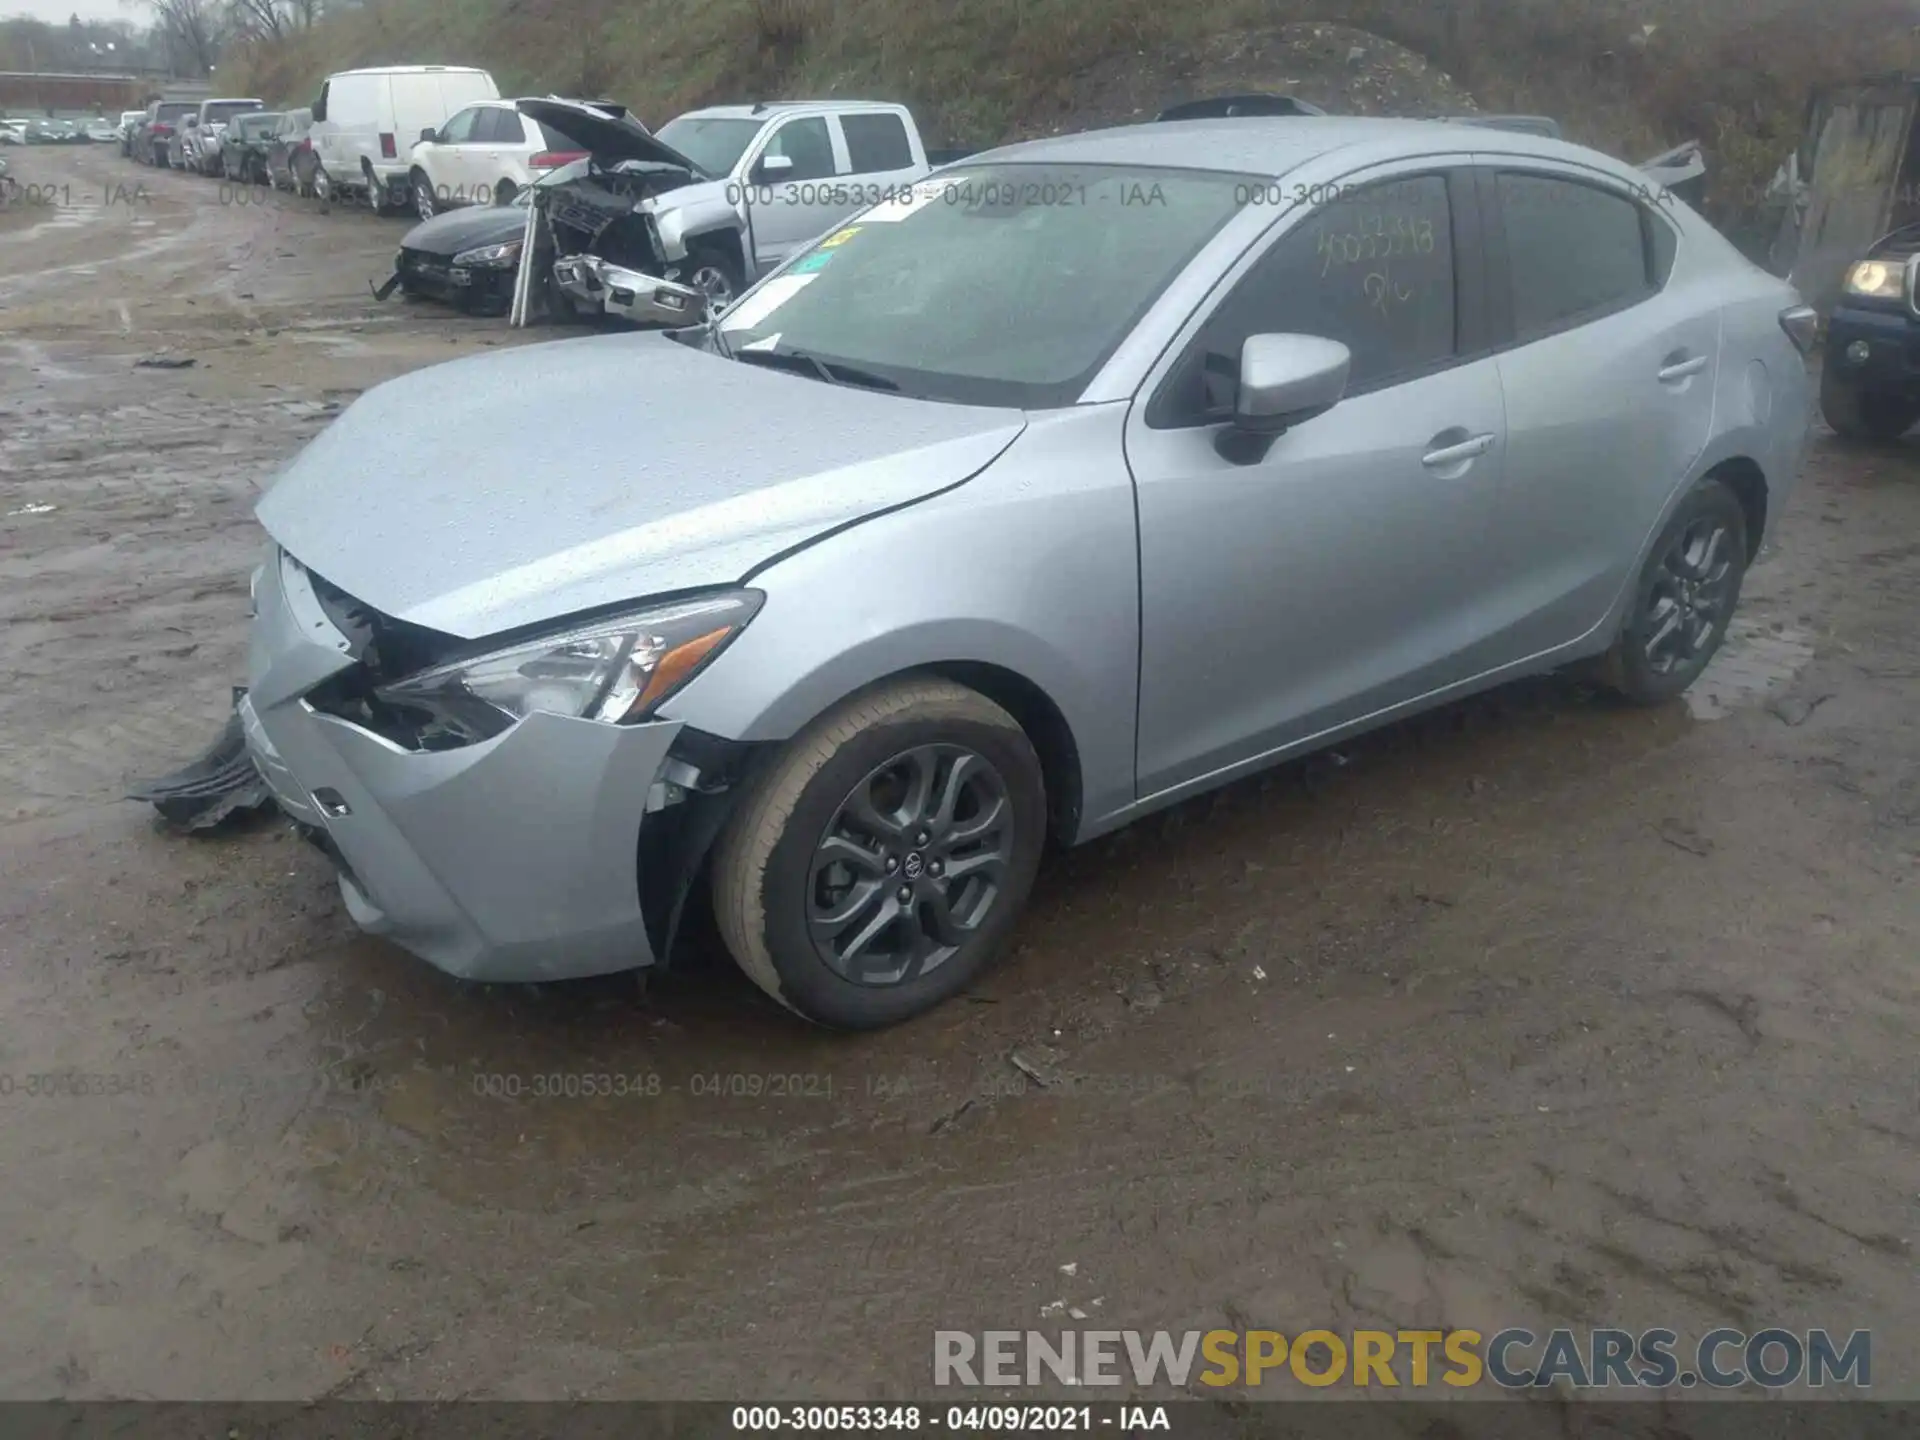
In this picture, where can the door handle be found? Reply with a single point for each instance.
(1454, 454)
(1681, 369)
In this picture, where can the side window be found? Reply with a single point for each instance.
(808, 145)
(1373, 269)
(500, 127)
(459, 130)
(876, 143)
(1572, 250)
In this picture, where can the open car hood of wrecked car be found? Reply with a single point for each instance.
(612, 137)
(526, 485)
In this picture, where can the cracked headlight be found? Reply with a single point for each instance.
(490, 255)
(615, 670)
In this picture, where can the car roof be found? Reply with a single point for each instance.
(762, 109)
(410, 70)
(1272, 145)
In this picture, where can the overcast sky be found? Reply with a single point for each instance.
(59, 11)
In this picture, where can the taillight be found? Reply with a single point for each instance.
(387, 152)
(554, 159)
(304, 145)
(1802, 324)
(160, 128)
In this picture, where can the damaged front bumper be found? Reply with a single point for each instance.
(515, 859)
(598, 285)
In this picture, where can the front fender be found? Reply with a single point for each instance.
(1030, 567)
(681, 225)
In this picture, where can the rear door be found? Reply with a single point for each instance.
(879, 154)
(502, 152)
(1608, 375)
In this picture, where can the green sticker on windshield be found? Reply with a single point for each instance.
(819, 260)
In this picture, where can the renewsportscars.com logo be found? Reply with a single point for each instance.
(1513, 1359)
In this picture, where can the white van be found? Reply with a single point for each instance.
(366, 123)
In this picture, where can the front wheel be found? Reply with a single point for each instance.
(424, 202)
(1683, 600)
(1860, 414)
(715, 273)
(875, 869)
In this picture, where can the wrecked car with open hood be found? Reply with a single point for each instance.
(666, 225)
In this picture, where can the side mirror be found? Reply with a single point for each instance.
(771, 167)
(429, 136)
(1284, 381)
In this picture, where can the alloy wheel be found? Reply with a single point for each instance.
(712, 281)
(423, 198)
(910, 866)
(1688, 604)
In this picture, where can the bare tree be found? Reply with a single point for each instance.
(271, 19)
(190, 30)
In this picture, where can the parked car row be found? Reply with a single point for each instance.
(41, 131)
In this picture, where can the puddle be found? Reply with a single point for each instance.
(1756, 660)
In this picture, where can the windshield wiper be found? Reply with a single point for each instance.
(831, 371)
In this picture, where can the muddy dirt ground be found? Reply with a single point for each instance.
(1537, 1011)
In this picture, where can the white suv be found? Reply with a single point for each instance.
(484, 155)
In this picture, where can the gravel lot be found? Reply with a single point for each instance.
(1536, 1011)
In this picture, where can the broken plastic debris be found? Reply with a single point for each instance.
(1258, 973)
(1053, 1307)
(35, 509)
(1070, 1268)
(1075, 1312)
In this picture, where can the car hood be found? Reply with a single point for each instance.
(610, 137)
(465, 228)
(519, 487)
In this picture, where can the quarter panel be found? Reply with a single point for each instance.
(1031, 566)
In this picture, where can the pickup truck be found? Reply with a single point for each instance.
(665, 224)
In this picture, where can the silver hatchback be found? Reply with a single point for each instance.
(1089, 475)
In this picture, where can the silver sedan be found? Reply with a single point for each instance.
(1086, 476)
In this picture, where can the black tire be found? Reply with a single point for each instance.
(1859, 414)
(769, 872)
(425, 203)
(1684, 598)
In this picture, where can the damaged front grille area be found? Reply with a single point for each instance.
(385, 650)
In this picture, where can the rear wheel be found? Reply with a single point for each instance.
(877, 867)
(1683, 600)
(1861, 414)
(378, 198)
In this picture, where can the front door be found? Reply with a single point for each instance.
(1342, 573)
(791, 206)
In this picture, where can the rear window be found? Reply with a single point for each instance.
(173, 111)
(220, 114)
(876, 142)
(500, 127)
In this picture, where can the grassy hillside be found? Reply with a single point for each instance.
(1733, 73)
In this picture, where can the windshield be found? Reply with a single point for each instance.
(713, 142)
(991, 285)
